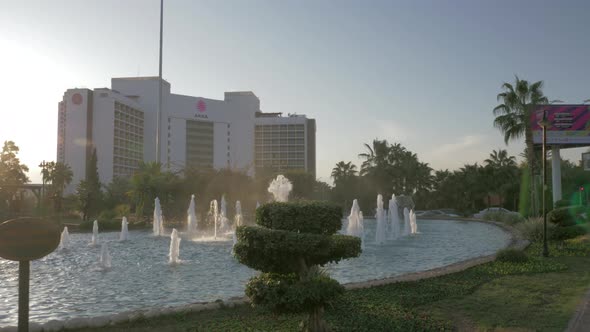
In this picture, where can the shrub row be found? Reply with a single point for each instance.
(508, 218)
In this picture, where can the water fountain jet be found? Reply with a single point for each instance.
(94, 241)
(158, 223)
(280, 188)
(173, 255)
(355, 226)
(105, 258)
(407, 226)
(394, 222)
(124, 236)
(381, 230)
(64, 241)
(191, 217)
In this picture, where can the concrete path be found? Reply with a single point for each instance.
(580, 322)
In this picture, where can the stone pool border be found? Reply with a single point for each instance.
(516, 242)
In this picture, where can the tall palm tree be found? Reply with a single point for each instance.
(375, 157)
(501, 170)
(58, 175)
(513, 116)
(343, 171)
(499, 159)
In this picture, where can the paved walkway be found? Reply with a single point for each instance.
(580, 322)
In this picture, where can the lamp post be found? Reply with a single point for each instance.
(544, 123)
(43, 165)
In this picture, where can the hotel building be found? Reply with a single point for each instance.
(120, 123)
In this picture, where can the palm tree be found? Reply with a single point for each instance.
(58, 175)
(375, 157)
(501, 170)
(513, 116)
(343, 171)
(499, 159)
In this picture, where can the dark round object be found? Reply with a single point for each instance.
(27, 239)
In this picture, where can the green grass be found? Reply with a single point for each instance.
(538, 295)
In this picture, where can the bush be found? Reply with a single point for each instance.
(292, 239)
(511, 219)
(286, 293)
(303, 217)
(532, 229)
(508, 218)
(511, 256)
(562, 203)
(123, 210)
(280, 251)
(569, 232)
(561, 217)
(494, 216)
(107, 215)
(103, 225)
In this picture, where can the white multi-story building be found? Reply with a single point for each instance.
(284, 143)
(195, 131)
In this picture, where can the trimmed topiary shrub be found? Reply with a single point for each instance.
(511, 256)
(569, 232)
(303, 216)
(289, 244)
(561, 217)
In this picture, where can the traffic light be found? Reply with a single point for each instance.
(581, 188)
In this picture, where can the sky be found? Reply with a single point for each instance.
(421, 73)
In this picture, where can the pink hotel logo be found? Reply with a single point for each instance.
(201, 106)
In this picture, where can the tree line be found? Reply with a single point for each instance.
(386, 168)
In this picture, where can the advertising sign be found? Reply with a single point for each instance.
(568, 124)
(586, 161)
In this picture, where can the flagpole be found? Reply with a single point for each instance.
(159, 115)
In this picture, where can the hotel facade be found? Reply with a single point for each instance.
(196, 132)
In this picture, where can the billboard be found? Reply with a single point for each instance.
(568, 124)
(586, 161)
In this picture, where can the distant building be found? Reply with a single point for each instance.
(195, 132)
(284, 143)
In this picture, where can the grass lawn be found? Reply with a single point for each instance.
(539, 295)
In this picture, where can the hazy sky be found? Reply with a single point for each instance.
(423, 73)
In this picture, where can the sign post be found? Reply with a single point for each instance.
(24, 240)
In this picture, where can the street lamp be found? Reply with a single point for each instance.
(544, 123)
(43, 165)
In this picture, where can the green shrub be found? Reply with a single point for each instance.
(289, 244)
(511, 256)
(511, 219)
(493, 216)
(303, 216)
(562, 203)
(286, 293)
(532, 229)
(561, 217)
(103, 225)
(123, 210)
(280, 251)
(107, 215)
(569, 232)
(508, 218)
